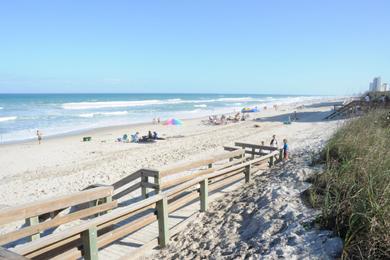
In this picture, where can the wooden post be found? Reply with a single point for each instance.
(271, 161)
(89, 238)
(281, 155)
(144, 190)
(157, 181)
(253, 153)
(204, 195)
(162, 216)
(210, 165)
(108, 200)
(247, 172)
(31, 222)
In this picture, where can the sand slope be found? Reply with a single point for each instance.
(265, 219)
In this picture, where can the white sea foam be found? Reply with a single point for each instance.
(237, 99)
(7, 118)
(201, 105)
(94, 105)
(115, 113)
(113, 104)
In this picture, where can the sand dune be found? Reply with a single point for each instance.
(265, 219)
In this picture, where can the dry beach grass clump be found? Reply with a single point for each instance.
(354, 191)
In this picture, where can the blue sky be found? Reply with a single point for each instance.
(282, 47)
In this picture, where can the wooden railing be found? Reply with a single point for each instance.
(85, 239)
(260, 150)
(45, 214)
(157, 180)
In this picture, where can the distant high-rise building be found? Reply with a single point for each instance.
(370, 86)
(385, 87)
(377, 84)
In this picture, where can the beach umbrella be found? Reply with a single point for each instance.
(173, 121)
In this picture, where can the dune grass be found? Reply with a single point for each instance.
(354, 191)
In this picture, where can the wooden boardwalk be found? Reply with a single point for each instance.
(142, 242)
(131, 217)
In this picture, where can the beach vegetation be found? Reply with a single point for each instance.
(353, 192)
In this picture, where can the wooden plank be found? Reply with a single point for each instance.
(184, 167)
(100, 222)
(57, 221)
(157, 181)
(162, 217)
(127, 179)
(204, 195)
(52, 204)
(127, 191)
(178, 203)
(170, 183)
(125, 230)
(226, 175)
(194, 164)
(227, 182)
(149, 185)
(144, 189)
(52, 247)
(31, 222)
(228, 155)
(247, 173)
(149, 172)
(229, 164)
(261, 147)
(231, 148)
(89, 238)
(271, 161)
(9, 255)
(184, 186)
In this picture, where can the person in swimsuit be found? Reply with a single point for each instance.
(39, 136)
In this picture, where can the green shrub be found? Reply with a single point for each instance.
(354, 191)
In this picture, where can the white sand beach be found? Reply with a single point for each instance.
(264, 219)
(61, 165)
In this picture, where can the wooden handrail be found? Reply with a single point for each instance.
(194, 164)
(74, 232)
(37, 208)
(86, 234)
(255, 146)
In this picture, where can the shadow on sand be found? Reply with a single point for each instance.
(303, 117)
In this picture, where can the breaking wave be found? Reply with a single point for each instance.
(114, 104)
(201, 105)
(8, 118)
(116, 113)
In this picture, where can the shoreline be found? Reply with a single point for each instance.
(61, 165)
(95, 130)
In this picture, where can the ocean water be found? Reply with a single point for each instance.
(55, 114)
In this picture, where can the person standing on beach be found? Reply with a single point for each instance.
(274, 142)
(39, 136)
(285, 150)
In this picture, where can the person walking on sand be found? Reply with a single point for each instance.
(285, 150)
(274, 142)
(39, 136)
